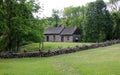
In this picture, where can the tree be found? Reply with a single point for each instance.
(73, 16)
(116, 20)
(115, 12)
(54, 20)
(55, 16)
(18, 24)
(97, 24)
(114, 5)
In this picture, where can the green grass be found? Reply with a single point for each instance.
(51, 46)
(99, 61)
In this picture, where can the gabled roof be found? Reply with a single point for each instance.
(69, 31)
(53, 30)
(61, 31)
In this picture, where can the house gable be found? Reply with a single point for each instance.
(70, 31)
(77, 31)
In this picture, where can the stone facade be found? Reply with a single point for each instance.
(53, 38)
(61, 34)
(67, 38)
(61, 38)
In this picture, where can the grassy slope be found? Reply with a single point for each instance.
(47, 45)
(100, 61)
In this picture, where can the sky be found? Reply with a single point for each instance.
(48, 5)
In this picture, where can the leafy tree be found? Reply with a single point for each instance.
(55, 17)
(73, 16)
(97, 24)
(18, 24)
(54, 20)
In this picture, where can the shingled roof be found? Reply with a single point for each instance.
(68, 31)
(61, 31)
(54, 30)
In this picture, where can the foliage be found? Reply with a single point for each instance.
(116, 29)
(69, 17)
(54, 20)
(115, 7)
(86, 62)
(97, 24)
(18, 24)
(55, 17)
(73, 16)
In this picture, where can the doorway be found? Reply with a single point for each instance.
(47, 38)
(62, 39)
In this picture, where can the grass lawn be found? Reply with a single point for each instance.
(51, 45)
(100, 61)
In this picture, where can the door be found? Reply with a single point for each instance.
(47, 38)
(62, 39)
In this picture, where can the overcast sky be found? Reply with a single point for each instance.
(48, 5)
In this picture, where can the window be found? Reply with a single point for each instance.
(67, 37)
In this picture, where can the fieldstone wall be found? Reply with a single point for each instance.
(59, 51)
(52, 39)
(67, 38)
(57, 38)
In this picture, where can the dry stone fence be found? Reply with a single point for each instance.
(60, 51)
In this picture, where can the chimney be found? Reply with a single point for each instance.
(62, 26)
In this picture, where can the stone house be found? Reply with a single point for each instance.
(62, 34)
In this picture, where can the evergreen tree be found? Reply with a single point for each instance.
(97, 24)
(115, 7)
(116, 20)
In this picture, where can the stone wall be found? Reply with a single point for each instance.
(57, 38)
(67, 38)
(71, 38)
(58, 52)
(53, 38)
